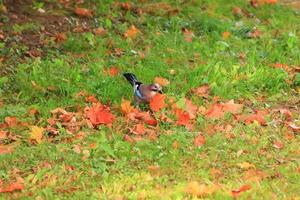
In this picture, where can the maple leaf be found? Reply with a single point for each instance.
(113, 71)
(139, 129)
(161, 81)
(199, 140)
(202, 91)
(126, 107)
(131, 32)
(191, 108)
(157, 102)
(231, 107)
(215, 112)
(12, 187)
(255, 117)
(83, 12)
(36, 134)
(99, 114)
(241, 189)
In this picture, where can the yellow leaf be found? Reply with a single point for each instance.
(195, 189)
(161, 81)
(246, 165)
(36, 134)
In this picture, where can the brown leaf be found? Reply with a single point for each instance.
(157, 102)
(199, 140)
(61, 37)
(161, 81)
(139, 129)
(195, 189)
(100, 31)
(83, 12)
(246, 165)
(231, 107)
(5, 149)
(215, 112)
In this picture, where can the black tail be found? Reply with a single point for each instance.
(131, 78)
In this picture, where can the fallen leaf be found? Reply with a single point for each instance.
(12, 187)
(255, 33)
(195, 189)
(241, 189)
(246, 165)
(131, 32)
(157, 102)
(61, 37)
(215, 112)
(2, 135)
(176, 144)
(83, 12)
(139, 129)
(77, 148)
(5, 149)
(231, 107)
(99, 114)
(190, 108)
(202, 91)
(126, 107)
(91, 99)
(183, 118)
(255, 117)
(226, 35)
(10, 121)
(36, 134)
(100, 31)
(161, 81)
(113, 71)
(199, 140)
(188, 35)
(278, 144)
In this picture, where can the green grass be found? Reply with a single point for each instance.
(117, 169)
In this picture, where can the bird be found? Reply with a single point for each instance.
(143, 93)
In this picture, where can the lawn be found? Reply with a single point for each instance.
(226, 126)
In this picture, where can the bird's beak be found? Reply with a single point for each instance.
(159, 91)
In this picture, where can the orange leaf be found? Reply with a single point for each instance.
(161, 81)
(131, 32)
(11, 121)
(91, 99)
(191, 108)
(226, 34)
(278, 144)
(183, 118)
(12, 187)
(199, 140)
(126, 107)
(139, 129)
(83, 12)
(241, 189)
(255, 117)
(157, 102)
(113, 71)
(60, 37)
(231, 107)
(202, 91)
(188, 35)
(5, 149)
(100, 31)
(99, 114)
(215, 112)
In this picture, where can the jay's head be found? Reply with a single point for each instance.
(156, 88)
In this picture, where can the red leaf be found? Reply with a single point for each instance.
(11, 121)
(241, 189)
(199, 140)
(183, 118)
(157, 102)
(99, 114)
(215, 112)
(202, 91)
(83, 12)
(191, 108)
(12, 187)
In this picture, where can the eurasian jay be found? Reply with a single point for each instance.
(142, 93)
